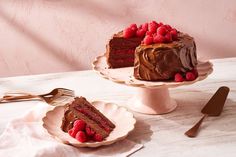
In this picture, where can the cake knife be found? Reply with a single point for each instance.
(214, 107)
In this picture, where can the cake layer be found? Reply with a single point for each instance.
(162, 61)
(118, 42)
(120, 54)
(120, 48)
(117, 63)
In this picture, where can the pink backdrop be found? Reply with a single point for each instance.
(42, 36)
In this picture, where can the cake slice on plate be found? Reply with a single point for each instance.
(84, 122)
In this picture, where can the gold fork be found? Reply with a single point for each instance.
(48, 97)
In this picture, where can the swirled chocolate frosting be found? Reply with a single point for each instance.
(162, 61)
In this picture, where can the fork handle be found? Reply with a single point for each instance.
(21, 97)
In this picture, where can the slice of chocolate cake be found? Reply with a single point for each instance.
(120, 50)
(81, 109)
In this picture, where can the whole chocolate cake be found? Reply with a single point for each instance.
(157, 52)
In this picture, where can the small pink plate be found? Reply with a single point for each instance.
(120, 116)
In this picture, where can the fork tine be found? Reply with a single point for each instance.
(69, 92)
(64, 94)
(65, 89)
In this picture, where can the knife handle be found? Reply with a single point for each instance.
(194, 130)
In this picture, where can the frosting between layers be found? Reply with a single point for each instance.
(162, 61)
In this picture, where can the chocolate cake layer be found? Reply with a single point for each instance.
(117, 63)
(162, 61)
(80, 108)
(119, 48)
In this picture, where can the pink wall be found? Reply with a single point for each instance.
(42, 36)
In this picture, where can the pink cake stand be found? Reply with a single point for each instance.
(151, 97)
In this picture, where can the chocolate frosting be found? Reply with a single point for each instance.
(162, 61)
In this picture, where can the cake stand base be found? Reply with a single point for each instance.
(152, 101)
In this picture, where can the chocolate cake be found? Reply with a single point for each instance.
(81, 109)
(156, 51)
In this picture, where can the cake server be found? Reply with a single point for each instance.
(214, 107)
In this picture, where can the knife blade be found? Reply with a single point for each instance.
(213, 107)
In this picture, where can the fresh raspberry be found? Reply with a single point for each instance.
(173, 33)
(81, 136)
(79, 125)
(160, 24)
(190, 76)
(89, 131)
(128, 33)
(149, 33)
(168, 38)
(72, 132)
(148, 40)
(168, 27)
(97, 137)
(145, 26)
(158, 38)
(178, 77)
(194, 71)
(133, 27)
(152, 26)
(162, 30)
(140, 33)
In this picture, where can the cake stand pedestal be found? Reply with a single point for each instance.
(152, 97)
(152, 101)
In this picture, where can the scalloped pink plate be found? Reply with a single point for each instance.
(120, 116)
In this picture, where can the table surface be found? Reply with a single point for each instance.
(162, 135)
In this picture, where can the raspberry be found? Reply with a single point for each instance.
(178, 77)
(89, 131)
(140, 33)
(72, 132)
(79, 125)
(152, 26)
(194, 71)
(190, 76)
(149, 33)
(158, 38)
(161, 30)
(128, 33)
(145, 26)
(81, 136)
(97, 137)
(133, 27)
(168, 27)
(148, 40)
(168, 38)
(160, 24)
(173, 33)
